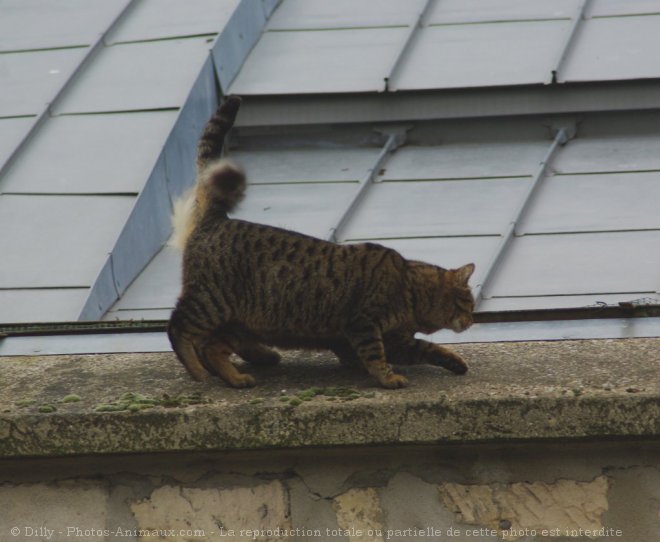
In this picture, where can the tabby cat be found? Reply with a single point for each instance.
(248, 285)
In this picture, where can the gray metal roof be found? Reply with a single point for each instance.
(523, 150)
(42, 24)
(102, 104)
(379, 46)
(163, 19)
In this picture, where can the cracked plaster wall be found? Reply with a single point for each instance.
(483, 493)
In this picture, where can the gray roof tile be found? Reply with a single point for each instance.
(138, 76)
(45, 24)
(311, 165)
(354, 60)
(476, 55)
(317, 14)
(464, 11)
(601, 202)
(158, 19)
(578, 264)
(436, 208)
(29, 80)
(460, 160)
(55, 240)
(94, 154)
(612, 49)
(12, 131)
(41, 305)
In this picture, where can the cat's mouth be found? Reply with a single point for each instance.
(427, 329)
(458, 325)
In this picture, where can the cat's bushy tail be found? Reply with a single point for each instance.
(221, 186)
(217, 127)
(220, 183)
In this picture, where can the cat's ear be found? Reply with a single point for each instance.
(464, 273)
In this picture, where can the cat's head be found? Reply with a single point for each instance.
(446, 301)
(460, 300)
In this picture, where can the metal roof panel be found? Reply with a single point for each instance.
(44, 24)
(50, 305)
(66, 242)
(579, 264)
(440, 208)
(609, 8)
(473, 55)
(464, 11)
(327, 61)
(610, 202)
(321, 14)
(466, 160)
(12, 131)
(30, 79)
(138, 76)
(158, 19)
(596, 56)
(274, 166)
(98, 154)
(158, 285)
(609, 154)
(312, 208)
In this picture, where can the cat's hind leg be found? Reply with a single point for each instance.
(366, 340)
(346, 355)
(183, 337)
(258, 354)
(201, 346)
(406, 350)
(215, 353)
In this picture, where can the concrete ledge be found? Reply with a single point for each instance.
(596, 389)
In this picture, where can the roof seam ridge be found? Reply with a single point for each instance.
(499, 21)
(164, 38)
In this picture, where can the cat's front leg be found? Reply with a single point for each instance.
(366, 340)
(406, 350)
(443, 357)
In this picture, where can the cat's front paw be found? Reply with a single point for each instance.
(242, 381)
(450, 361)
(394, 381)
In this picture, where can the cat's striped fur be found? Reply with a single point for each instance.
(248, 285)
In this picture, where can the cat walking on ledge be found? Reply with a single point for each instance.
(249, 286)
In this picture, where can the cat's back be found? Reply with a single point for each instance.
(290, 268)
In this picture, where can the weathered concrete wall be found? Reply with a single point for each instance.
(523, 492)
(127, 447)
